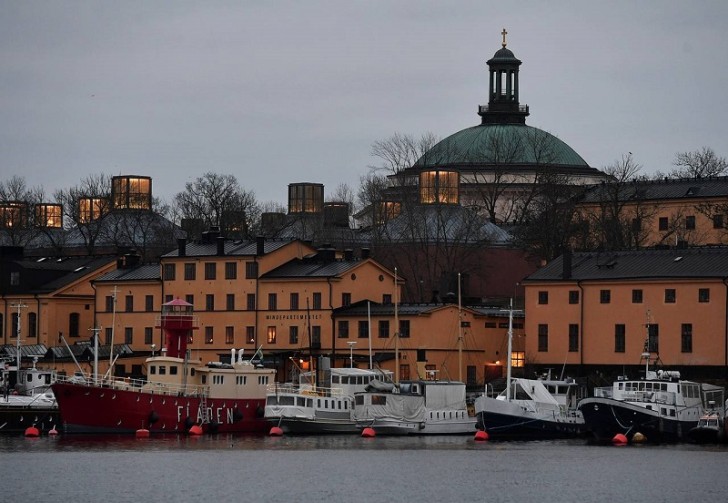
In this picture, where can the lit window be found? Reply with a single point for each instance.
(439, 187)
(518, 359)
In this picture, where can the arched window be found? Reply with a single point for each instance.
(74, 320)
(32, 325)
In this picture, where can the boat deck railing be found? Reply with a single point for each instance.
(129, 384)
(306, 390)
(661, 397)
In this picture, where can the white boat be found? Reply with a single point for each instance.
(414, 408)
(307, 408)
(710, 428)
(532, 409)
(28, 402)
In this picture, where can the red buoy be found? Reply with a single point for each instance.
(142, 433)
(276, 431)
(196, 429)
(481, 436)
(368, 432)
(32, 432)
(619, 439)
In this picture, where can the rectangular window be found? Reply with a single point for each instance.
(704, 295)
(573, 296)
(209, 336)
(230, 302)
(272, 302)
(387, 298)
(543, 337)
(404, 371)
(669, 295)
(637, 296)
(250, 302)
(293, 334)
(231, 270)
(573, 337)
(229, 336)
(168, 297)
(148, 335)
(316, 336)
(543, 297)
(109, 332)
(717, 221)
(294, 301)
(383, 329)
(190, 271)
(210, 302)
(687, 338)
(129, 335)
(690, 222)
(32, 324)
(653, 338)
(605, 296)
(251, 270)
(271, 337)
(404, 329)
(619, 338)
(345, 299)
(74, 320)
(363, 329)
(343, 331)
(662, 223)
(636, 224)
(210, 270)
(149, 303)
(190, 299)
(109, 303)
(250, 335)
(129, 303)
(316, 300)
(169, 271)
(518, 359)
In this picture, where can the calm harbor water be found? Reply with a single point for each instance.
(354, 469)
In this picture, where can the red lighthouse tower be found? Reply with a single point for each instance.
(177, 321)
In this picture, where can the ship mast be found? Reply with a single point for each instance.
(396, 329)
(510, 352)
(19, 306)
(460, 332)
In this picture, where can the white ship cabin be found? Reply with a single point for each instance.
(662, 389)
(544, 393)
(240, 379)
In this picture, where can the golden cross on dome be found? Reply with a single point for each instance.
(504, 33)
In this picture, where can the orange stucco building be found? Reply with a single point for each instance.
(598, 312)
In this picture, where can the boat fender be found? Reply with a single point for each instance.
(481, 436)
(153, 417)
(237, 415)
(619, 439)
(189, 423)
(259, 412)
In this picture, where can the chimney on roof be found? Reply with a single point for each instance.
(348, 254)
(566, 264)
(327, 253)
(260, 246)
(220, 246)
(182, 247)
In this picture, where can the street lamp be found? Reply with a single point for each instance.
(351, 353)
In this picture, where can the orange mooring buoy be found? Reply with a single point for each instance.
(142, 433)
(481, 436)
(276, 431)
(195, 429)
(619, 439)
(32, 432)
(368, 432)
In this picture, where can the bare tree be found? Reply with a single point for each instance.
(85, 207)
(16, 218)
(701, 163)
(401, 151)
(218, 200)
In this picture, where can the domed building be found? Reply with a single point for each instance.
(495, 166)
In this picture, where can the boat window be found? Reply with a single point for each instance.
(318, 403)
(359, 400)
(192, 372)
(203, 379)
(162, 370)
(335, 379)
(346, 405)
(272, 400)
(663, 386)
(339, 402)
(344, 379)
(301, 401)
(379, 400)
(621, 385)
(309, 402)
(173, 370)
(153, 369)
(285, 400)
(672, 412)
(663, 411)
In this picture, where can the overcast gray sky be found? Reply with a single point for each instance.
(277, 92)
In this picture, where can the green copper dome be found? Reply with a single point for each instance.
(501, 144)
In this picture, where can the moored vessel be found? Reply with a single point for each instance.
(176, 395)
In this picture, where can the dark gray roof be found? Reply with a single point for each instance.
(26, 351)
(150, 272)
(378, 309)
(639, 264)
(231, 248)
(684, 188)
(311, 268)
(48, 274)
